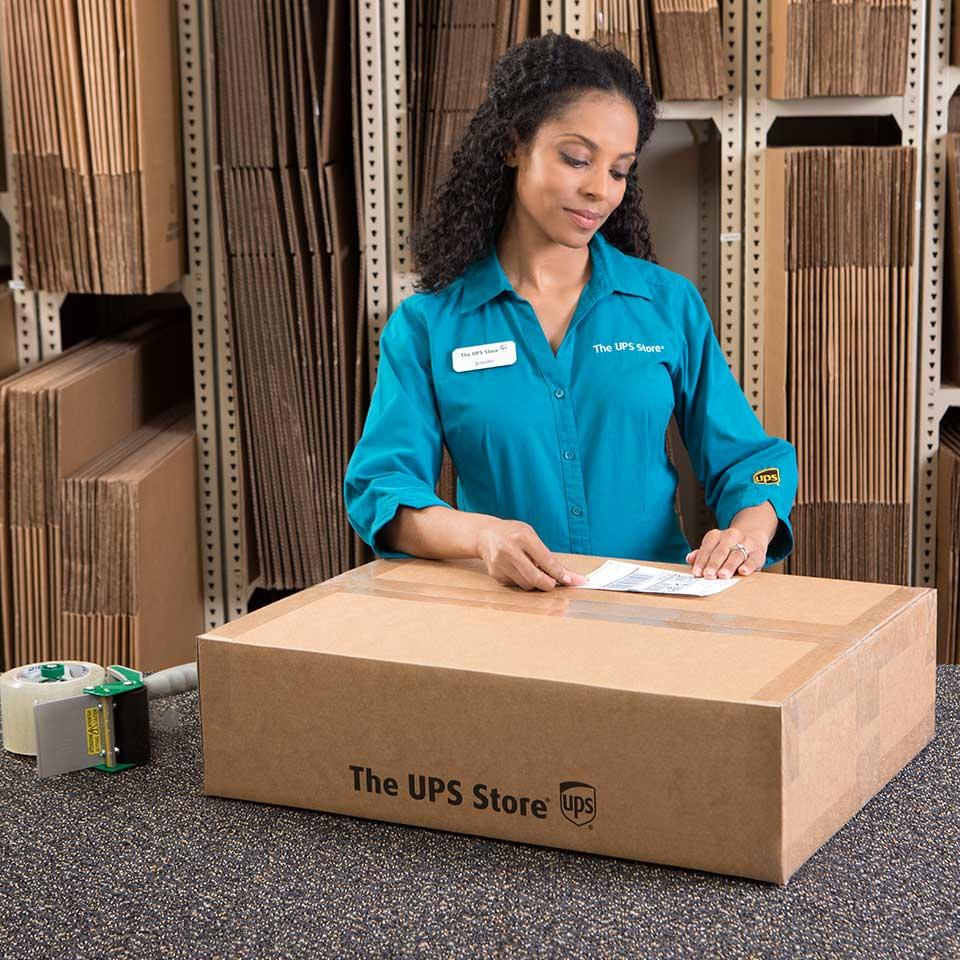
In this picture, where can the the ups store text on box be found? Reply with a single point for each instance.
(734, 733)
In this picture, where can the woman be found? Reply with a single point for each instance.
(548, 350)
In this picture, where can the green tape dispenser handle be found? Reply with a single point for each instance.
(124, 680)
(164, 683)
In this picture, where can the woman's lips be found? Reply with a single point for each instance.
(585, 223)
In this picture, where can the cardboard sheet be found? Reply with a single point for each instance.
(132, 580)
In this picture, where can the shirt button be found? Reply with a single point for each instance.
(558, 393)
(568, 454)
(576, 511)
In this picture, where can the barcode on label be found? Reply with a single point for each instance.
(632, 581)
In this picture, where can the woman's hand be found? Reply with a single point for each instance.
(514, 554)
(718, 557)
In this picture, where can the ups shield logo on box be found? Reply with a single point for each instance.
(578, 801)
(767, 475)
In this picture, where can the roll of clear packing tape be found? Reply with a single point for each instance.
(21, 687)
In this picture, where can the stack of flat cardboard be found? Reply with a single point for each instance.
(689, 49)
(851, 48)
(838, 271)
(950, 347)
(734, 733)
(54, 418)
(95, 143)
(452, 49)
(132, 586)
(948, 540)
(290, 225)
(676, 44)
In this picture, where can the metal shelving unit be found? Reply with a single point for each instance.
(220, 464)
(761, 112)
(384, 210)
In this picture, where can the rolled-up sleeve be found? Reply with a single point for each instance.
(397, 460)
(738, 463)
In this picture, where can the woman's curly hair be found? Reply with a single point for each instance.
(532, 83)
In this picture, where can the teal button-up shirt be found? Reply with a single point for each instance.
(572, 442)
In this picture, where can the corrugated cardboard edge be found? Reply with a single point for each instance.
(875, 710)
(170, 572)
(156, 55)
(777, 22)
(775, 294)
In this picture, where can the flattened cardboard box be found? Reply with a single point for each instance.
(734, 733)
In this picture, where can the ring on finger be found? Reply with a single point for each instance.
(743, 550)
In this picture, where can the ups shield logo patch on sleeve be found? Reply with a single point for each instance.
(767, 475)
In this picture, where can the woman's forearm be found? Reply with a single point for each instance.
(436, 533)
(762, 521)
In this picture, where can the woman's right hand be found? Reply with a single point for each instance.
(514, 554)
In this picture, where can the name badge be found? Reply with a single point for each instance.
(485, 355)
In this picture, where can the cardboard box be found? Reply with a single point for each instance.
(734, 733)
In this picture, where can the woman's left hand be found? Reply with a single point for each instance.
(718, 557)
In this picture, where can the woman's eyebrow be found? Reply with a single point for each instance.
(593, 146)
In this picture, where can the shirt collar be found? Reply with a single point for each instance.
(612, 271)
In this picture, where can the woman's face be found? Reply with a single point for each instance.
(572, 176)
